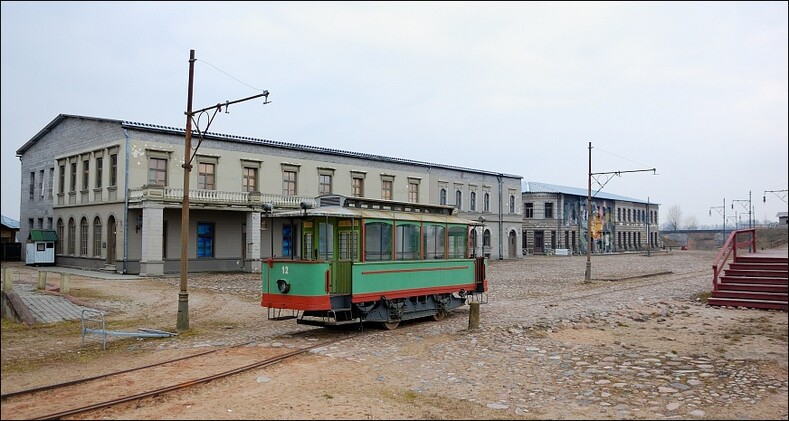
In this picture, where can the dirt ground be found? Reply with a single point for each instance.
(422, 370)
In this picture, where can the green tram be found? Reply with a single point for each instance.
(367, 260)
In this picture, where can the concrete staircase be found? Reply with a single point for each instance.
(754, 282)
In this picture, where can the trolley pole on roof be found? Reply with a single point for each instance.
(589, 216)
(182, 322)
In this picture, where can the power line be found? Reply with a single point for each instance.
(231, 76)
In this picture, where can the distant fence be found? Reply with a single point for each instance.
(11, 251)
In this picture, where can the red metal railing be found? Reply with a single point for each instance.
(729, 249)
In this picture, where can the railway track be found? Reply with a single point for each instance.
(16, 405)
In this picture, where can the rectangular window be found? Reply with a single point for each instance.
(349, 244)
(73, 184)
(358, 187)
(324, 184)
(85, 174)
(434, 242)
(458, 241)
(41, 183)
(99, 171)
(40, 223)
(287, 239)
(549, 210)
(113, 170)
(325, 241)
(205, 176)
(32, 185)
(377, 241)
(205, 239)
(249, 179)
(386, 189)
(288, 183)
(51, 181)
(62, 186)
(528, 209)
(413, 191)
(157, 172)
(407, 242)
(308, 246)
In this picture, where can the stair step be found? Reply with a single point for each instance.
(757, 273)
(761, 259)
(730, 286)
(753, 280)
(737, 302)
(752, 295)
(759, 266)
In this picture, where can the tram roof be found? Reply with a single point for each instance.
(361, 213)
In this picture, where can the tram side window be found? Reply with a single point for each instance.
(434, 241)
(458, 240)
(407, 242)
(377, 241)
(325, 241)
(349, 243)
(308, 246)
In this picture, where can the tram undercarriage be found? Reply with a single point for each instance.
(388, 312)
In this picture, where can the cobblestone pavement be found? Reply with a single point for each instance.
(635, 343)
(526, 361)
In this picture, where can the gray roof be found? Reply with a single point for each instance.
(244, 139)
(10, 223)
(535, 187)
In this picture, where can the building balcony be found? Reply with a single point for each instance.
(215, 199)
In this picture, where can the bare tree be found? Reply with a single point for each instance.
(674, 218)
(691, 223)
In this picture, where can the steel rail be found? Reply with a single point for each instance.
(263, 363)
(101, 376)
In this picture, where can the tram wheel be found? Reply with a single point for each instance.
(391, 325)
(439, 316)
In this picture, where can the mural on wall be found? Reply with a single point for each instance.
(601, 222)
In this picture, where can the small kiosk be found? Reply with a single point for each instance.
(41, 247)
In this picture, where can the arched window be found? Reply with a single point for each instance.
(83, 236)
(474, 240)
(486, 203)
(459, 199)
(486, 238)
(443, 197)
(512, 204)
(473, 201)
(97, 236)
(72, 235)
(60, 237)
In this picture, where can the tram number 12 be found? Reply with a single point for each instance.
(284, 270)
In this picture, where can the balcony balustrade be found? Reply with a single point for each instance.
(217, 197)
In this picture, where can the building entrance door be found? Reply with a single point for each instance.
(539, 242)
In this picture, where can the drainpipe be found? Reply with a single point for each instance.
(126, 209)
(501, 215)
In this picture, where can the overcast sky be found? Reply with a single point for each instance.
(696, 90)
